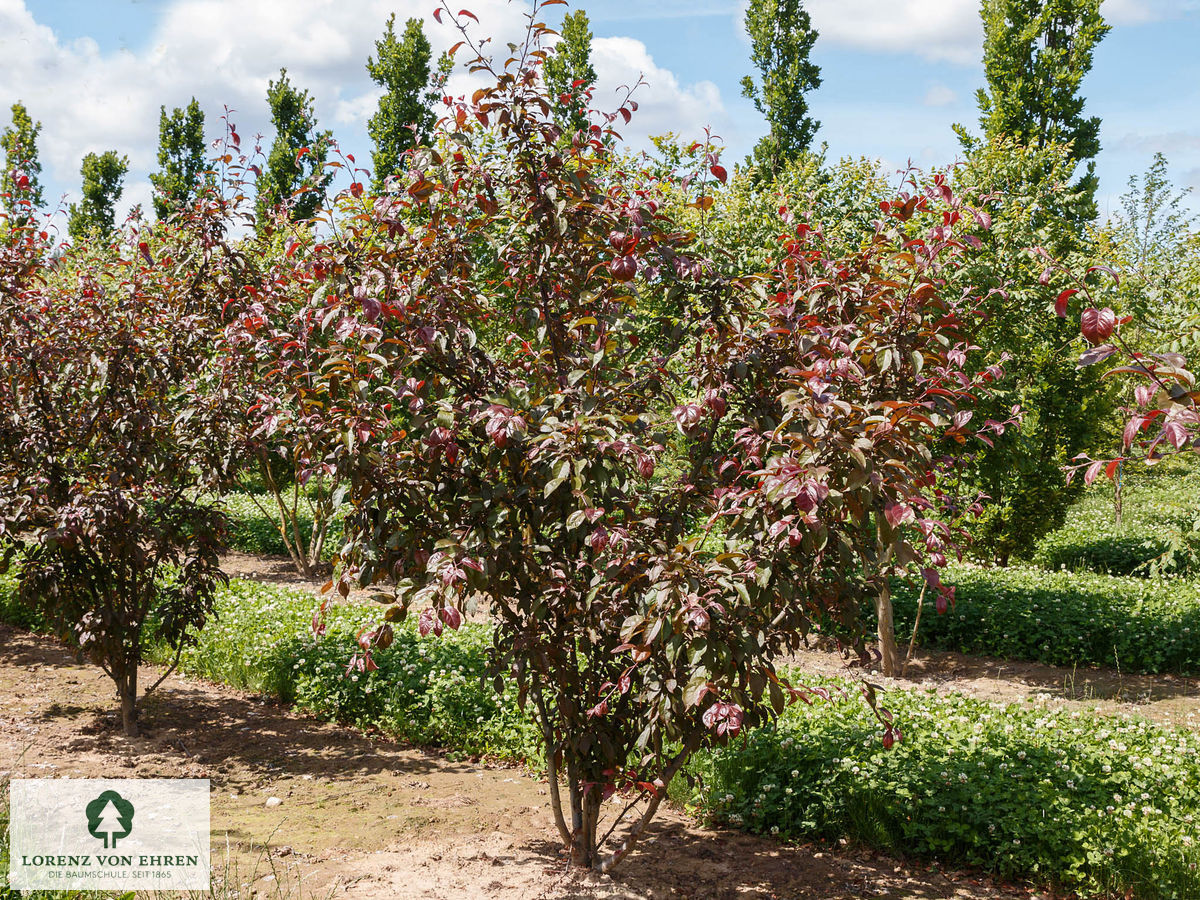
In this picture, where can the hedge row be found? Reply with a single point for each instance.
(1063, 618)
(1154, 511)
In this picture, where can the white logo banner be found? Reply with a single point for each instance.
(147, 834)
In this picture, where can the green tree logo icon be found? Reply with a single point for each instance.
(110, 816)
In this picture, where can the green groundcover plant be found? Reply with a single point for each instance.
(1021, 790)
(1101, 805)
(1064, 619)
(1158, 514)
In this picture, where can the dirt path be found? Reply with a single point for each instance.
(365, 818)
(1166, 699)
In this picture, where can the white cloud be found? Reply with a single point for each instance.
(943, 30)
(939, 95)
(663, 103)
(946, 30)
(1170, 144)
(1131, 12)
(224, 52)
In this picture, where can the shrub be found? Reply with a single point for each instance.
(475, 347)
(1096, 804)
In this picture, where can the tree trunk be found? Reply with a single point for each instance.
(886, 629)
(127, 688)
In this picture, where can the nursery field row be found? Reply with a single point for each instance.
(1089, 802)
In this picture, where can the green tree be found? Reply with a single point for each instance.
(295, 171)
(1024, 190)
(1035, 55)
(781, 39)
(21, 159)
(103, 175)
(405, 117)
(180, 158)
(569, 72)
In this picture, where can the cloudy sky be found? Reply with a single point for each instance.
(897, 73)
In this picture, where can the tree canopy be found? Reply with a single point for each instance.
(569, 72)
(181, 157)
(295, 172)
(103, 177)
(1035, 56)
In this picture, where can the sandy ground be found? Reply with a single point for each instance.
(361, 817)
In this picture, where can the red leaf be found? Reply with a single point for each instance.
(1107, 269)
(1097, 354)
(356, 189)
(1132, 427)
(720, 174)
(437, 15)
(468, 14)
(1097, 324)
(1060, 305)
(1176, 434)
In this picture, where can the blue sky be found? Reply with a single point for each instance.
(897, 73)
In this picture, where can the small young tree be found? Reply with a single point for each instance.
(295, 173)
(106, 448)
(181, 158)
(262, 380)
(20, 182)
(405, 117)
(655, 510)
(569, 72)
(1065, 408)
(102, 177)
(781, 39)
(1163, 418)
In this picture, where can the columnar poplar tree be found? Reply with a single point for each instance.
(295, 172)
(405, 116)
(782, 38)
(569, 72)
(181, 158)
(22, 167)
(103, 175)
(1035, 55)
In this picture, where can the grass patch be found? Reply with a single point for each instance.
(253, 532)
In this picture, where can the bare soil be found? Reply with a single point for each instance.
(362, 817)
